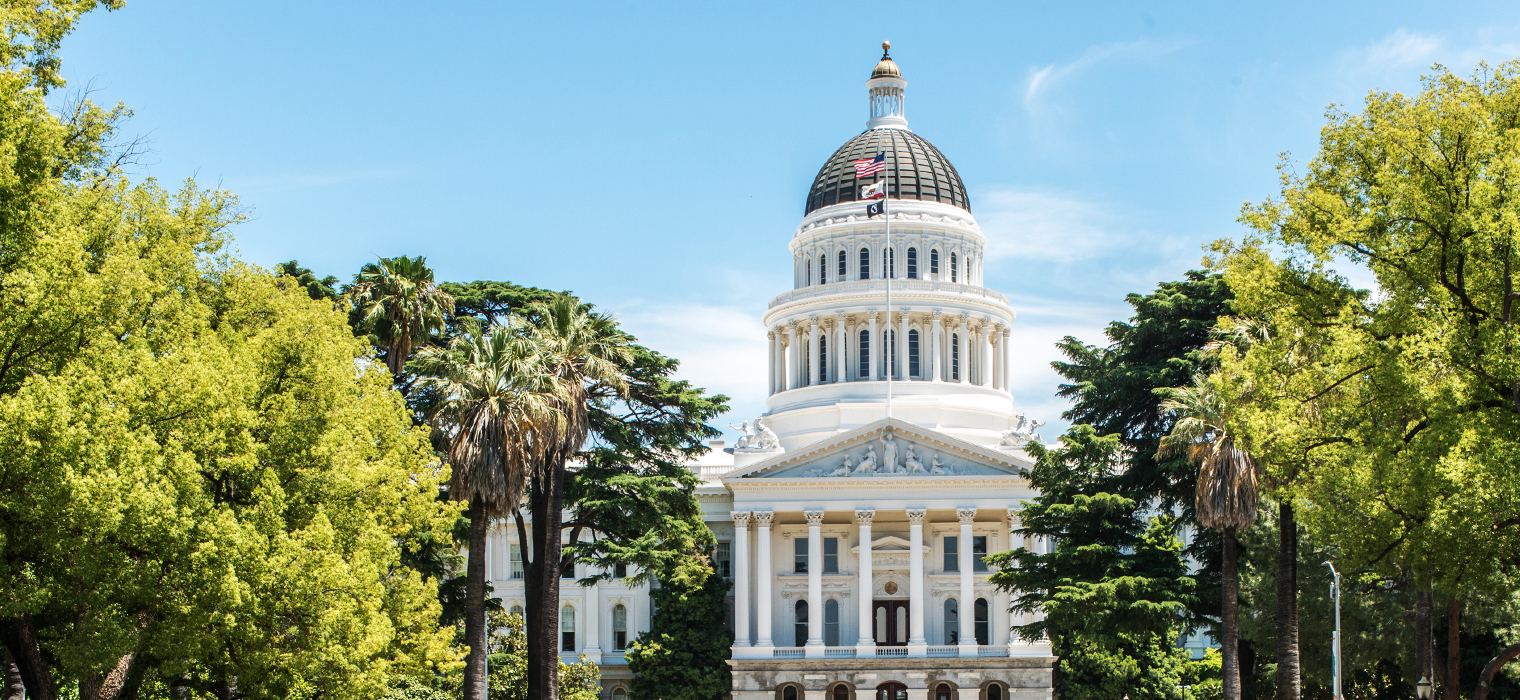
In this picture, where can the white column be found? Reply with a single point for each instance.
(965, 353)
(1003, 355)
(812, 352)
(815, 583)
(741, 578)
(902, 346)
(845, 347)
(987, 349)
(875, 348)
(763, 580)
(934, 351)
(997, 367)
(865, 588)
(593, 623)
(968, 591)
(795, 373)
(841, 349)
(770, 342)
(916, 641)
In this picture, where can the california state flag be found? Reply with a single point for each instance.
(873, 191)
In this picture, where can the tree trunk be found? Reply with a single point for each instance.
(1289, 679)
(21, 639)
(1453, 685)
(475, 604)
(1422, 635)
(546, 500)
(1229, 633)
(14, 689)
(1487, 678)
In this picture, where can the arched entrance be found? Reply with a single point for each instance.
(891, 691)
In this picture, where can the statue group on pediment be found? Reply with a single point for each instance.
(1022, 432)
(757, 438)
(887, 464)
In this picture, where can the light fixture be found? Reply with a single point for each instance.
(1423, 688)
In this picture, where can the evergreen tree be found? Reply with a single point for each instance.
(1114, 591)
(683, 656)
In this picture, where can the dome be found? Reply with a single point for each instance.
(915, 170)
(886, 68)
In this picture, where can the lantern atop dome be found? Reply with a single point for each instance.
(886, 87)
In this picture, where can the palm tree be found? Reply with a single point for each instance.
(399, 298)
(583, 351)
(1226, 499)
(499, 403)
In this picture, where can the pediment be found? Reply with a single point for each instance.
(891, 543)
(883, 450)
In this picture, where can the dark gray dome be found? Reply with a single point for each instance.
(915, 170)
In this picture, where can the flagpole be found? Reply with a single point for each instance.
(886, 216)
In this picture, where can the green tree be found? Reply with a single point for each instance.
(1114, 591)
(400, 304)
(509, 665)
(316, 288)
(684, 654)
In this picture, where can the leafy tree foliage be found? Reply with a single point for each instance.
(683, 656)
(317, 289)
(509, 665)
(494, 303)
(1115, 589)
(399, 304)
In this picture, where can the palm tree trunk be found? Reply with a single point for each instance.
(1453, 686)
(1229, 633)
(14, 690)
(545, 501)
(475, 604)
(1289, 681)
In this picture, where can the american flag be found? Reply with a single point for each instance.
(871, 166)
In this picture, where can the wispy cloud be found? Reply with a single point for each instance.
(1044, 79)
(1391, 62)
(721, 348)
(1035, 224)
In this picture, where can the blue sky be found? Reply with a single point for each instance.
(654, 158)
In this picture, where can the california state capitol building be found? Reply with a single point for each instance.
(853, 515)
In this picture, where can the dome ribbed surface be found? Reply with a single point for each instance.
(915, 170)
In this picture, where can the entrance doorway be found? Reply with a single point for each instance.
(891, 691)
(891, 618)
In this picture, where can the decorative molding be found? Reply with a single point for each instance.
(763, 518)
(916, 516)
(742, 517)
(965, 515)
(864, 517)
(814, 517)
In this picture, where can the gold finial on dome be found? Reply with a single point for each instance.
(885, 47)
(886, 68)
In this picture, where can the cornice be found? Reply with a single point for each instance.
(944, 443)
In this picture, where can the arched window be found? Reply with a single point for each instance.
(865, 263)
(891, 272)
(823, 269)
(567, 628)
(891, 691)
(831, 623)
(517, 610)
(955, 356)
(619, 694)
(801, 624)
(912, 263)
(952, 621)
(954, 269)
(892, 351)
(619, 627)
(934, 262)
(981, 622)
(913, 353)
(789, 693)
(865, 355)
(841, 692)
(994, 692)
(844, 266)
(823, 358)
(943, 692)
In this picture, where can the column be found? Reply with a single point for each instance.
(812, 351)
(780, 368)
(987, 349)
(763, 580)
(965, 347)
(997, 367)
(841, 349)
(875, 345)
(902, 346)
(770, 341)
(593, 623)
(916, 599)
(741, 578)
(795, 374)
(968, 590)
(934, 351)
(815, 583)
(866, 587)
(1003, 355)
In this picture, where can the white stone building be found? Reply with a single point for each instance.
(853, 515)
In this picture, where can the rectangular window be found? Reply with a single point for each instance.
(831, 555)
(891, 272)
(864, 371)
(799, 551)
(933, 262)
(952, 554)
(865, 264)
(913, 369)
(725, 559)
(844, 266)
(516, 572)
(567, 569)
(620, 571)
(978, 550)
(912, 263)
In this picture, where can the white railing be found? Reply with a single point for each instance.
(993, 650)
(944, 651)
(872, 287)
(710, 472)
(840, 653)
(891, 651)
(789, 653)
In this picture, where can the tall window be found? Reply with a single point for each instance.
(891, 272)
(790, 693)
(619, 694)
(865, 355)
(517, 563)
(725, 560)
(620, 571)
(823, 269)
(831, 555)
(953, 268)
(981, 622)
(841, 692)
(831, 623)
(955, 356)
(934, 261)
(952, 553)
(567, 628)
(800, 629)
(865, 263)
(619, 627)
(891, 349)
(994, 692)
(978, 550)
(823, 358)
(807, 275)
(799, 555)
(912, 263)
(952, 622)
(844, 266)
(913, 353)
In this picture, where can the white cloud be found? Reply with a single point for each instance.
(1044, 225)
(1397, 52)
(721, 348)
(1042, 81)
(1394, 62)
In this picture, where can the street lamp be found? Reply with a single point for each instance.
(1423, 688)
(1335, 641)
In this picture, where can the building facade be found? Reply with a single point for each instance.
(853, 515)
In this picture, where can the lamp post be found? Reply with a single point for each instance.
(1335, 641)
(1423, 688)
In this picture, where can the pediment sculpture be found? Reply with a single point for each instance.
(888, 462)
(758, 437)
(1022, 432)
